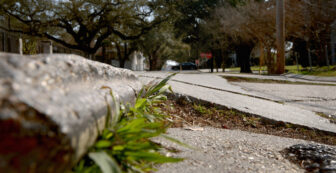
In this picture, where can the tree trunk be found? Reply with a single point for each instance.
(270, 61)
(104, 54)
(280, 36)
(261, 58)
(211, 64)
(321, 58)
(243, 52)
(122, 63)
(125, 52)
(120, 56)
(224, 55)
(300, 46)
(218, 58)
(152, 63)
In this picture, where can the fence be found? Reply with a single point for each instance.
(10, 42)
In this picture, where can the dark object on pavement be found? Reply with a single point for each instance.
(313, 157)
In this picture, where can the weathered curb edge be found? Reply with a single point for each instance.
(51, 107)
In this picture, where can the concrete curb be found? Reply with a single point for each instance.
(52, 108)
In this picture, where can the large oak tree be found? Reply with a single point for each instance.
(84, 24)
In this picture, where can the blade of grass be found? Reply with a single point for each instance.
(105, 162)
(159, 86)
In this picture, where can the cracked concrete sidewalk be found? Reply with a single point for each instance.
(287, 76)
(215, 89)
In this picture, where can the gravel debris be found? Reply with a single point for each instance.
(313, 157)
(220, 150)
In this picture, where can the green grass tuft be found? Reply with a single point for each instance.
(125, 144)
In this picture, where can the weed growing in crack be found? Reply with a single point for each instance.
(125, 144)
(202, 109)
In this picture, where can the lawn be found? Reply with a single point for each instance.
(316, 71)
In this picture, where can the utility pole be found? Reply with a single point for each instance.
(261, 58)
(309, 58)
(280, 36)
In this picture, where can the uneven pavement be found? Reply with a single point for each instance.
(311, 78)
(287, 76)
(319, 97)
(215, 89)
(220, 150)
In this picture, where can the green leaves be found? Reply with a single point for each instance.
(105, 162)
(125, 144)
(140, 103)
(103, 144)
(152, 157)
(151, 92)
(112, 120)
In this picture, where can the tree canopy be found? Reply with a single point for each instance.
(166, 29)
(253, 23)
(83, 24)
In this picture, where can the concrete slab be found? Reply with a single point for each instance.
(233, 151)
(204, 80)
(311, 78)
(326, 107)
(289, 78)
(316, 98)
(288, 92)
(248, 104)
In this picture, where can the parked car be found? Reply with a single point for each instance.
(188, 66)
(176, 67)
(170, 65)
(173, 65)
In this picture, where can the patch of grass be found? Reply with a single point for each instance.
(316, 70)
(252, 80)
(125, 144)
(202, 109)
(233, 69)
(257, 80)
(264, 68)
(251, 121)
(253, 68)
(291, 68)
(329, 73)
(185, 114)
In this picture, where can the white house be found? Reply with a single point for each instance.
(138, 61)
